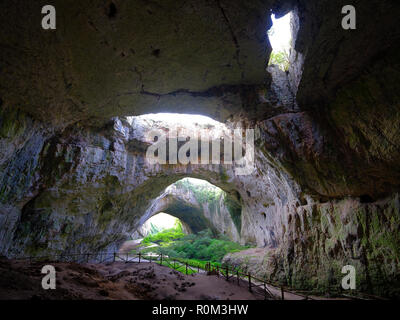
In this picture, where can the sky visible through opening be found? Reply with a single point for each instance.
(280, 34)
(161, 221)
(189, 119)
(280, 37)
(198, 182)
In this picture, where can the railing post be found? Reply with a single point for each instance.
(265, 292)
(282, 293)
(127, 255)
(161, 259)
(114, 256)
(237, 274)
(186, 268)
(198, 268)
(87, 258)
(217, 271)
(227, 273)
(139, 257)
(150, 257)
(249, 282)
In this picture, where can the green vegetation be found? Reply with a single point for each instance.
(281, 59)
(176, 265)
(165, 237)
(197, 247)
(199, 263)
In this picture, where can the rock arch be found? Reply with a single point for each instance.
(101, 187)
(218, 214)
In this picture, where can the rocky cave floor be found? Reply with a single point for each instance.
(118, 280)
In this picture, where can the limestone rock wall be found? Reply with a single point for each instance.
(88, 189)
(319, 239)
(324, 191)
(159, 56)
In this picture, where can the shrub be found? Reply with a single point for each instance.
(201, 246)
(281, 59)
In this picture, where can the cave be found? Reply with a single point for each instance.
(199, 205)
(160, 221)
(77, 104)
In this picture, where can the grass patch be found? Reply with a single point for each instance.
(202, 246)
(165, 237)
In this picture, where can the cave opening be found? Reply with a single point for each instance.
(191, 219)
(280, 37)
(156, 230)
(199, 205)
(182, 119)
(178, 129)
(159, 222)
(74, 175)
(194, 140)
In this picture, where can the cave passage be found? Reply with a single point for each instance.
(176, 118)
(191, 219)
(158, 229)
(159, 222)
(173, 138)
(199, 205)
(280, 37)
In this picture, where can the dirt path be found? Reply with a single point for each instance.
(118, 280)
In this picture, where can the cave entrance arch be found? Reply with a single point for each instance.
(280, 37)
(160, 222)
(199, 205)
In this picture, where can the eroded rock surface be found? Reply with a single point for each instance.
(325, 189)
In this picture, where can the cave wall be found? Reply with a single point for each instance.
(321, 238)
(342, 149)
(88, 189)
(325, 188)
